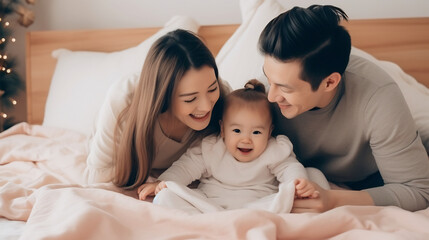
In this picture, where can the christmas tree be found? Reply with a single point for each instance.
(10, 81)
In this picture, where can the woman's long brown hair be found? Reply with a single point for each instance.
(169, 58)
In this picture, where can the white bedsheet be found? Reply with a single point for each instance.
(10, 230)
(41, 171)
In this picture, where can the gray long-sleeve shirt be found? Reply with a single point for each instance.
(365, 137)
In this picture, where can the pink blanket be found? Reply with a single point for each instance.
(41, 182)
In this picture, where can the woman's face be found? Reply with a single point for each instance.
(195, 96)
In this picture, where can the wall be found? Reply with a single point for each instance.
(102, 14)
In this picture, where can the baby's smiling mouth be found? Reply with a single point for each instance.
(245, 150)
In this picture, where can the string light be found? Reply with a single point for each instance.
(26, 19)
(13, 101)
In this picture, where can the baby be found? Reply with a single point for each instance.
(241, 168)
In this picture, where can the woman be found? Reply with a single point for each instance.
(177, 101)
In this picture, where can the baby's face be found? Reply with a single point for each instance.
(246, 130)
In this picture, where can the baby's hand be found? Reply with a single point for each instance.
(305, 189)
(160, 186)
(150, 189)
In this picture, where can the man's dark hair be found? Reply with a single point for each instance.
(312, 36)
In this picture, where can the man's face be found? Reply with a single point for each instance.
(292, 94)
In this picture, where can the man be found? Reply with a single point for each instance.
(344, 115)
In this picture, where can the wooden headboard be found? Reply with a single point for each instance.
(403, 41)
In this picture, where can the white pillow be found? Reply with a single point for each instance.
(82, 78)
(240, 60)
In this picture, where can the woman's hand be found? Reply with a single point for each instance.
(150, 189)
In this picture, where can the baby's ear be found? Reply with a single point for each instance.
(221, 128)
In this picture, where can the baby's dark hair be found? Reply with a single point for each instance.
(252, 92)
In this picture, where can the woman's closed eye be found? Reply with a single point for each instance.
(193, 99)
(190, 100)
(213, 90)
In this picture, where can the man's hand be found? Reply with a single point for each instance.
(329, 199)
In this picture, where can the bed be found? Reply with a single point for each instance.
(42, 191)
